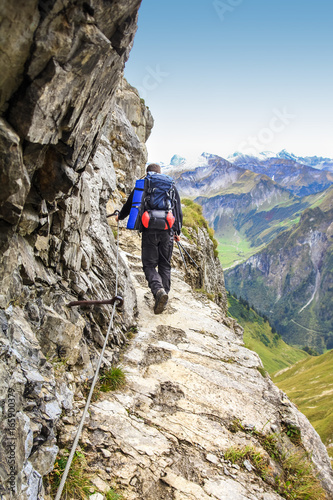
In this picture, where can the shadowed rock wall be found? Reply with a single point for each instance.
(60, 70)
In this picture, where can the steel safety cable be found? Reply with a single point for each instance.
(79, 430)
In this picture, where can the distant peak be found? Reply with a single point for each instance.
(177, 160)
(287, 156)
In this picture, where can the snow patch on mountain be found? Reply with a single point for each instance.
(179, 164)
(318, 162)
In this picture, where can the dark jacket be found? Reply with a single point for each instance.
(177, 211)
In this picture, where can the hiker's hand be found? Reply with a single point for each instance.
(176, 237)
(116, 218)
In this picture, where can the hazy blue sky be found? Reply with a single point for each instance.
(228, 75)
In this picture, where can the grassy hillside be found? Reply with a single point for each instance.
(274, 353)
(233, 251)
(309, 385)
(192, 217)
(307, 380)
(241, 235)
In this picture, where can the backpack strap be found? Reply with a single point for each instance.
(171, 197)
(146, 194)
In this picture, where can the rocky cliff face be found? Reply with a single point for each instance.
(129, 153)
(204, 273)
(61, 67)
(61, 71)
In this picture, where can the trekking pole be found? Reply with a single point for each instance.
(196, 265)
(181, 253)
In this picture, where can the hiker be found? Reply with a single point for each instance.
(157, 244)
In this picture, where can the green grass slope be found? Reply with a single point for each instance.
(274, 353)
(324, 200)
(234, 250)
(256, 229)
(309, 385)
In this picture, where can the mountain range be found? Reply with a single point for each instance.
(248, 204)
(273, 219)
(317, 162)
(285, 169)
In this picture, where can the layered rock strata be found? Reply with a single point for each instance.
(60, 67)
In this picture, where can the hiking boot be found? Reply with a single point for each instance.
(161, 299)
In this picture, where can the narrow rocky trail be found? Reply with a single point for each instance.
(189, 379)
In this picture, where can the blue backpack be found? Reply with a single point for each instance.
(153, 203)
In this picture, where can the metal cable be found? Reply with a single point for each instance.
(79, 430)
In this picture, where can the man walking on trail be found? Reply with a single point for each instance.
(157, 246)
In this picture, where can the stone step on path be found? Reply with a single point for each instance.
(135, 265)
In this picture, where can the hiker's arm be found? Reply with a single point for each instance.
(124, 212)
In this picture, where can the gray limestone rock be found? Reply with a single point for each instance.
(64, 61)
(189, 380)
(207, 276)
(27, 385)
(57, 333)
(14, 177)
(18, 24)
(70, 85)
(96, 496)
(43, 459)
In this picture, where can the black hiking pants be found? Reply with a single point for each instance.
(157, 249)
